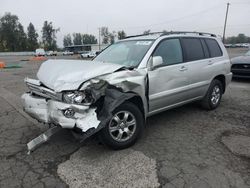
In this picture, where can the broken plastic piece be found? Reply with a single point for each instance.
(33, 144)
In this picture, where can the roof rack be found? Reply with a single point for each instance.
(173, 32)
(188, 32)
(152, 33)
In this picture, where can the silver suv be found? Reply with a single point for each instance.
(129, 81)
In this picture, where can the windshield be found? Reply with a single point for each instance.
(248, 53)
(127, 53)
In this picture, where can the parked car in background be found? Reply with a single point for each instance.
(238, 45)
(130, 80)
(40, 52)
(228, 45)
(68, 53)
(241, 66)
(51, 53)
(246, 45)
(89, 54)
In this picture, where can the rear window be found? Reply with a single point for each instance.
(192, 48)
(213, 47)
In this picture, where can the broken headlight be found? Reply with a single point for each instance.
(78, 97)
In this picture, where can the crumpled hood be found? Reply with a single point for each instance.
(241, 59)
(62, 75)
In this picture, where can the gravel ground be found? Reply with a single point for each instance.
(179, 148)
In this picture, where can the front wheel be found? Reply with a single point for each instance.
(213, 97)
(124, 128)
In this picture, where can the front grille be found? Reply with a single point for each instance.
(43, 91)
(241, 66)
(241, 70)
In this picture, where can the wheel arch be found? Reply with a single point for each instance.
(137, 101)
(222, 79)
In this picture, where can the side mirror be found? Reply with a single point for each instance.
(156, 61)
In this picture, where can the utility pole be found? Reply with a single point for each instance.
(225, 24)
(99, 39)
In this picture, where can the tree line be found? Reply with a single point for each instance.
(109, 37)
(14, 38)
(80, 39)
(241, 38)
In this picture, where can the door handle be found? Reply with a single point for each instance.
(210, 62)
(183, 68)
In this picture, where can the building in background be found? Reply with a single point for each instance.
(78, 49)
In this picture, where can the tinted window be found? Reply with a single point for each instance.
(205, 49)
(213, 47)
(193, 49)
(170, 51)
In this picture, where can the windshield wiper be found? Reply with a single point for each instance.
(126, 68)
(130, 67)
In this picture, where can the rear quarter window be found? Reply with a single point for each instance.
(213, 47)
(192, 48)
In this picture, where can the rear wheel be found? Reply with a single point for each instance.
(124, 128)
(213, 97)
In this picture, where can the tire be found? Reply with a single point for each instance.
(213, 97)
(123, 135)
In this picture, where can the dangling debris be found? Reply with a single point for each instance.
(36, 142)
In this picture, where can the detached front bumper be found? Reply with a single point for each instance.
(59, 113)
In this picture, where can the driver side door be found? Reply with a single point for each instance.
(168, 81)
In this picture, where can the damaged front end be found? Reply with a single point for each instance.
(49, 107)
(89, 107)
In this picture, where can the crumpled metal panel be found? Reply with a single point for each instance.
(105, 82)
(133, 81)
(35, 107)
(51, 111)
(62, 75)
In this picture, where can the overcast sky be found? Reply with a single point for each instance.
(133, 16)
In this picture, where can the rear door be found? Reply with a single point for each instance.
(196, 56)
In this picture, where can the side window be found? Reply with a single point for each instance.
(205, 49)
(214, 48)
(193, 49)
(170, 51)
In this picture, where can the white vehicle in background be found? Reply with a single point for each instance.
(68, 53)
(51, 53)
(90, 54)
(246, 45)
(40, 52)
